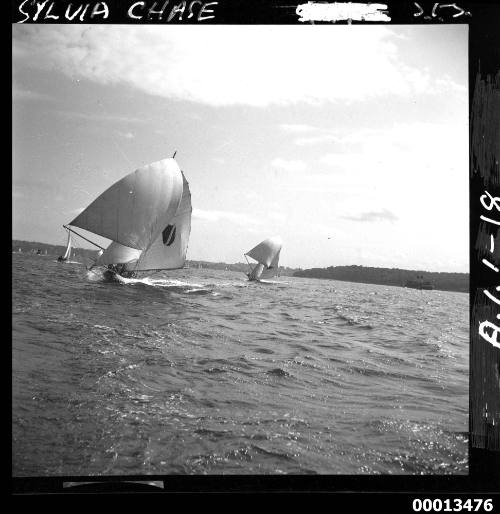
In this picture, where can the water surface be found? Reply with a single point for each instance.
(202, 372)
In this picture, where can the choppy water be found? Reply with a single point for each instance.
(202, 372)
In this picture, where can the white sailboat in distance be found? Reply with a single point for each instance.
(267, 255)
(147, 216)
(67, 253)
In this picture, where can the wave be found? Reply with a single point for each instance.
(184, 371)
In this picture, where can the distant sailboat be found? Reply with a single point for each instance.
(147, 216)
(267, 254)
(67, 253)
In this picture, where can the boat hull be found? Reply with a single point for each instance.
(112, 276)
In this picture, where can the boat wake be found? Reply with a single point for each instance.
(171, 284)
(180, 286)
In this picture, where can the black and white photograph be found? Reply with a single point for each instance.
(232, 251)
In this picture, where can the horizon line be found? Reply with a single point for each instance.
(282, 266)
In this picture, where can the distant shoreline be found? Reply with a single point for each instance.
(415, 279)
(458, 282)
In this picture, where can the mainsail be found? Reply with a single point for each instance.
(167, 251)
(136, 209)
(267, 255)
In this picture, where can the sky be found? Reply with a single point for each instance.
(349, 142)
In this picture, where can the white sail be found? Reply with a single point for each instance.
(256, 273)
(67, 253)
(116, 253)
(266, 251)
(169, 249)
(273, 268)
(136, 209)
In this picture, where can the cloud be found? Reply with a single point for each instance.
(126, 135)
(216, 216)
(297, 128)
(344, 161)
(383, 215)
(19, 94)
(256, 65)
(320, 138)
(311, 135)
(99, 117)
(278, 216)
(289, 165)
(448, 84)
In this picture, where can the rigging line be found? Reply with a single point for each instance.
(249, 265)
(79, 235)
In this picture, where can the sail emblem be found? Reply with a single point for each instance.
(168, 235)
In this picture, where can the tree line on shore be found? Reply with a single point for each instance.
(390, 277)
(383, 276)
(33, 247)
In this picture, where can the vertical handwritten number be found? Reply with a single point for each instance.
(491, 297)
(493, 201)
(490, 338)
(488, 263)
(489, 220)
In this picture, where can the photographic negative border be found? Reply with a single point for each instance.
(484, 193)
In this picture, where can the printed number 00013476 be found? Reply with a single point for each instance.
(452, 505)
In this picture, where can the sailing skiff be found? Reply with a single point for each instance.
(147, 217)
(267, 254)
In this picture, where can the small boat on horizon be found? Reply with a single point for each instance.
(65, 257)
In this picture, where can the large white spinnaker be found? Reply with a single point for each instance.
(136, 209)
(169, 249)
(266, 251)
(267, 255)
